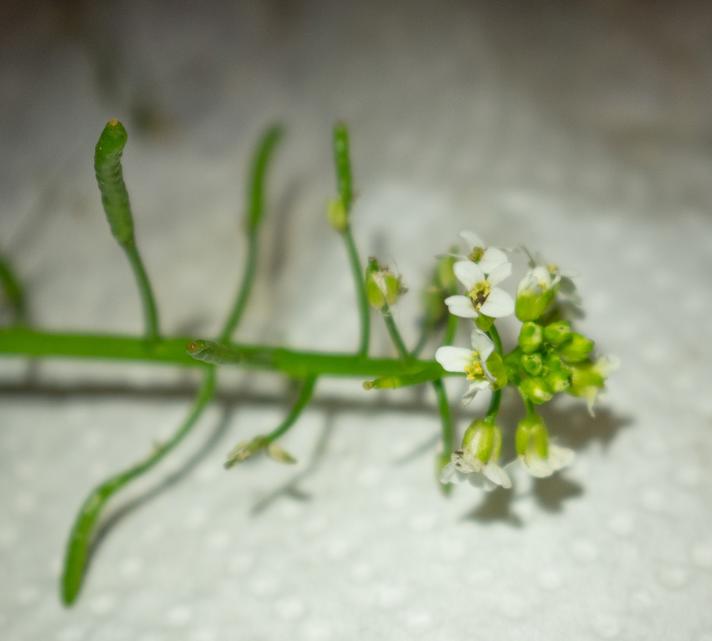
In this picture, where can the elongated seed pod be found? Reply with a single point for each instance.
(109, 177)
(342, 163)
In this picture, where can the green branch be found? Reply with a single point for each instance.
(115, 200)
(14, 293)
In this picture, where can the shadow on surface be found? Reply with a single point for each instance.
(291, 488)
(571, 426)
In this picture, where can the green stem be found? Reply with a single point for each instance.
(394, 333)
(448, 427)
(305, 395)
(13, 291)
(80, 537)
(496, 398)
(361, 298)
(451, 329)
(244, 290)
(150, 310)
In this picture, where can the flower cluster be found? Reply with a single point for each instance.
(549, 358)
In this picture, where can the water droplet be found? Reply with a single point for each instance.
(701, 554)
(673, 577)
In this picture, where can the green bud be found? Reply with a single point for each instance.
(497, 369)
(532, 437)
(484, 323)
(532, 364)
(536, 389)
(588, 379)
(444, 274)
(558, 381)
(383, 287)
(511, 364)
(535, 294)
(557, 333)
(530, 337)
(483, 440)
(577, 349)
(435, 310)
(337, 215)
(553, 362)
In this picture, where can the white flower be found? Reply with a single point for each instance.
(476, 461)
(482, 295)
(470, 361)
(568, 294)
(489, 259)
(535, 452)
(556, 459)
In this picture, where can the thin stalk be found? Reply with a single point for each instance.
(148, 301)
(305, 395)
(496, 398)
(394, 333)
(447, 424)
(14, 293)
(361, 298)
(80, 537)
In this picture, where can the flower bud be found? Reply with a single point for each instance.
(444, 274)
(532, 437)
(483, 441)
(536, 389)
(558, 380)
(530, 337)
(383, 287)
(497, 370)
(577, 349)
(535, 294)
(557, 333)
(337, 215)
(532, 364)
(587, 380)
(484, 323)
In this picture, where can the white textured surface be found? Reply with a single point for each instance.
(578, 131)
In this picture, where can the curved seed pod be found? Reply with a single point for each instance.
(342, 162)
(109, 177)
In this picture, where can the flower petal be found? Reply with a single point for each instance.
(492, 259)
(498, 304)
(536, 466)
(560, 457)
(497, 475)
(453, 359)
(474, 389)
(500, 272)
(468, 273)
(447, 473)
(461, 306)
(481, 343)
(472, 239)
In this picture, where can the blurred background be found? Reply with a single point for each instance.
(579, 128)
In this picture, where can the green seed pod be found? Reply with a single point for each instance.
(109, 177)
(536, 389)
(577, 349)
(532, 364)
(530, 337)
(557, 333)
(484, 323)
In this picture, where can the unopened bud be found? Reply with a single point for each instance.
(535, 294)
(497, 370)
(577, 349)
(337, 215)
(557, 333)
(532, 437)
(536, 389)
(383, 287)
(530, 337)
(532, 364)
